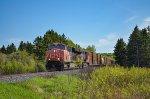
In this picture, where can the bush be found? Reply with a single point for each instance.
(41, 67)
(3, 58)
(19, 62)
(117, 82)
(78, 61)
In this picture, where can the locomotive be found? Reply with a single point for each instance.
(60, 56)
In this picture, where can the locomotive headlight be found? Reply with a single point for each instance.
(54, 50)
(58, 58)
(49, 59)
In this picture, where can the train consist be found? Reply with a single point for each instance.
(60, 56)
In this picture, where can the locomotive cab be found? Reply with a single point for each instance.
(56, 55)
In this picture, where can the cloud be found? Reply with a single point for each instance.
(102, 42)
(130, 19)
(105, 44)
(145, 23)
(147, 19)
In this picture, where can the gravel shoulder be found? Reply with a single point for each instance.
(24, 77)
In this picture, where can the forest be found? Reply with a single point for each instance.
(137, 51)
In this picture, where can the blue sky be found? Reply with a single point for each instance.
(86, 22)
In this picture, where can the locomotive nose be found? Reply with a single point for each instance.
(55, 55)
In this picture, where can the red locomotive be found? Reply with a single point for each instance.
(60, 56)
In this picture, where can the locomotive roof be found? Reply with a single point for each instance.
(56, 44)
(75, 49)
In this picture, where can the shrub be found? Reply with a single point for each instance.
(41, 67)
(117, 82)
(3, 58)
(19, 62)
(78, 61)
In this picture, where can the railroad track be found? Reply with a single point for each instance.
(23, 77)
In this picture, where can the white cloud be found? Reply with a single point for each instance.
(102, 42)
(130, 19)
(145, 23)
(105, 44)
(147, 19)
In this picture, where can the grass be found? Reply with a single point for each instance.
(103, 83)
(59, 87)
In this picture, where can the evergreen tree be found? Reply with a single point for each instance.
(138, 49)
(11, 48)
(145, 48)
(47, 39)
(29, 47)
(22, 46)
(133, 47)
(39, 48)
(3, 49)
(64, 39)
(120, 52)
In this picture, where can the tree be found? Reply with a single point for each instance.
(29, 47)
(133, 47)
(3, 49)
(64, 39)
(11, 48)
(91, 48)
(39, 48)
(70, 43)
(22, 46)
(120, 52)
(145, 48)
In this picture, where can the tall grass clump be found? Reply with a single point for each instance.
(117, 82)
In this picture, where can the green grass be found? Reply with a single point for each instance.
(103, 83)
(62, 86)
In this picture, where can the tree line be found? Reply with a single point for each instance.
(137, 51)
(40, 44)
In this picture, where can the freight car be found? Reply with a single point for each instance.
(60, 56)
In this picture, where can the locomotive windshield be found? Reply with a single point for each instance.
(62, 47)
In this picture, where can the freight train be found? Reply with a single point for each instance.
(60, 56)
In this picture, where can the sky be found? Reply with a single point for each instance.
(85, 22)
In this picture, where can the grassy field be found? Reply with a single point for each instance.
(103, 83)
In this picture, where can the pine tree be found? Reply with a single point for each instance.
(120, 52)
(39, 48)
(22, 46)
(29, 47)
(3, 49)
(11, 48)
(64, 39)
(145, 48)
(133, 47)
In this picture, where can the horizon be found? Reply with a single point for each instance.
(98, 22)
